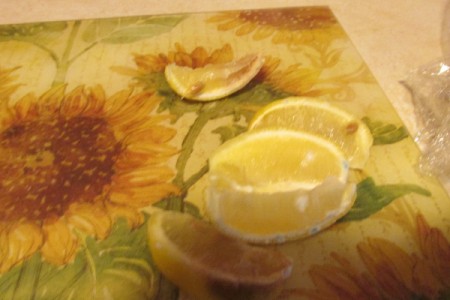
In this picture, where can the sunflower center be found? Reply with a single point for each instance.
(292, 19)
(46, 165)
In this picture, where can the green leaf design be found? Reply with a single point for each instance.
(177, 203)
(119, 267)
(128, 30)
(38, 34)
(252, 97)
(241, 104)
(30, 31)
(370, 198)
(20, 282)
(385, 133)
(238, 105)
(229, 132)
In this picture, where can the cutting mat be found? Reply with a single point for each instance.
(91, 136)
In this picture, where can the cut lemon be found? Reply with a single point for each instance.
(277, 217)
(306, 114)
(271, 186)
(278, 160)
(213, 81)
(206, 264)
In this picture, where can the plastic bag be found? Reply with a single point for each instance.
(430, 90)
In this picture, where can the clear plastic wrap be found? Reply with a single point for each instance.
(430, 91)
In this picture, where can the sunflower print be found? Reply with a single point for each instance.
(391, 272)
(7, 85)
(197, 58)
(294, 27)
(72, 163)
(295, 79)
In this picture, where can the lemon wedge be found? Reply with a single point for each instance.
(213, 81)
(278, 160)
(206, 264)
(349, 133)
(278, 217)
(275, 185)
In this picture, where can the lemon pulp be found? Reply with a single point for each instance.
(320, 118)
(278, 160)
(271, 186)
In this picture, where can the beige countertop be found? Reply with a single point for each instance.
(393, 36)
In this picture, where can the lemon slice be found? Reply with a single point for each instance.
(206, 264)
(275, 185)
(320, 118)
(214, 81)
(278, 160)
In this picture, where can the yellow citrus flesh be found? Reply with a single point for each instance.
(271, 186)
(278, 160)
(207, 264)
(320, 118)
(213, 81)
(267, 218)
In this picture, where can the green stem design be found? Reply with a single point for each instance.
(65, 62)
(89, 261)
(82, 52)
(188, 146)
(48, 51)
(207, 112)
(26, 285)
(195, 177)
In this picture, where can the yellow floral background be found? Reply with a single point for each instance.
(91, 136)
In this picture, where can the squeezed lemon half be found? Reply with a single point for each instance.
(206, 264)
(213, 81)
(345, 130)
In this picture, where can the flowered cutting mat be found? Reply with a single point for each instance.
(91, 136)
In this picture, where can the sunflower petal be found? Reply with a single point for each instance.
(246, 28)
(18, 243)
(74, 103)
(49, 102)
(156, 134)
(389, 264)
(134, 218)
(143, 176)
(153, 148)
(92, 219)
(141, 197)
(263, 32)
(150, 63)
(60, 243)
(425, 281)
